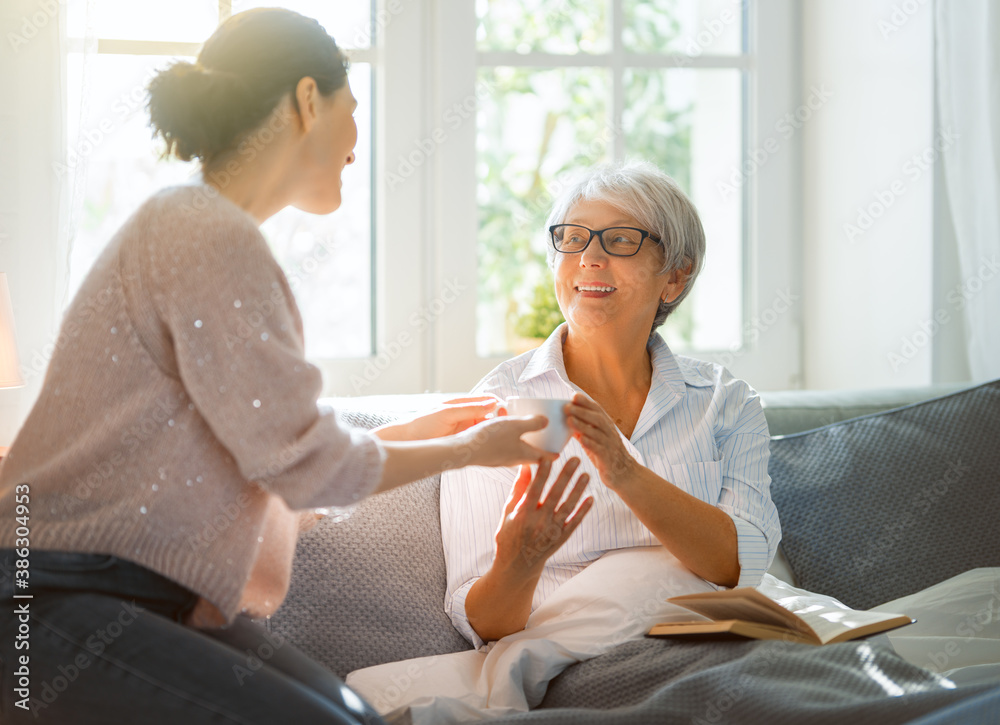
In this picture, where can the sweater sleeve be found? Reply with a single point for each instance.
(233, 335)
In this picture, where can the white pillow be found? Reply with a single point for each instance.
(780, 568)
(957, 627)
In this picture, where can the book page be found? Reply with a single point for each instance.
(778, 603)
(826, 616)
(744, 603)
(739, 627)
(829, 621)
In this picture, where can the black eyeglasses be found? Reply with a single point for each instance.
(616, 241)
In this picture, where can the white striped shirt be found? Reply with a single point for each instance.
(700, 429)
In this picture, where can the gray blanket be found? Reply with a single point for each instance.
(717, 681)
(742, 681)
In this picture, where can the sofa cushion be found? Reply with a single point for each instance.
(879, 507)
(370, 589)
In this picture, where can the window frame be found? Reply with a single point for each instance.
(399, 362)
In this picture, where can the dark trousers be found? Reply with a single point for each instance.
(105, 644)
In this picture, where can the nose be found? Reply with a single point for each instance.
(350, 159)
(594, 255)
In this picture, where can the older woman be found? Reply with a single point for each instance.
(672, 451)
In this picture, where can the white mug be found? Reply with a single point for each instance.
(554, 436)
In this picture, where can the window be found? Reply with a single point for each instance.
(574, 83)
(560, 85)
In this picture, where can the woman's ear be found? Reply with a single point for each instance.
(674, 283)
(307, 98)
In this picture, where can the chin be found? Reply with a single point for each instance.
(320, 206)
(593, 321)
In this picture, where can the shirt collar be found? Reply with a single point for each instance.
(667, 386)
(668, 374)
(548, 359)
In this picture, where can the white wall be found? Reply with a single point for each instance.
(868, 291)
(950, 349)
(31, 197)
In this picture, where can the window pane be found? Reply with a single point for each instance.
(187, 21)
(535, 127)
(547, 26)
(193, 21)
(691, 27)
(326, 258)
(689, 122)
(113, 146)
(348, 21)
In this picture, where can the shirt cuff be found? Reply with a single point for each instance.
(752, 551)
(456, 610)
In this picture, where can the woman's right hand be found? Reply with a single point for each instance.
(497, 442)
(532, 529)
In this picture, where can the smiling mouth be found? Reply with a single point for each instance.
(594, 288)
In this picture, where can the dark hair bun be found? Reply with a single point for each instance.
(198, 112)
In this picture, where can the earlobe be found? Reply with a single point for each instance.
(676, 282)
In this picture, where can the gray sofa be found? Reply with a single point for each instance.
(370, 589)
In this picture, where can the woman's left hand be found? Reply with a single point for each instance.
(456, 415)
(601, 440)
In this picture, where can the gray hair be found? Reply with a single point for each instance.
(643, 192)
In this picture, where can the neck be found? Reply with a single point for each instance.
(608, 360)
(257, 184)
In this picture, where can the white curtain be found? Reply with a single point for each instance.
(968, 83)
(41, 193)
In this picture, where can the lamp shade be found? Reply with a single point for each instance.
(10, 369)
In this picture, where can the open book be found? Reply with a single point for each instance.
(800, 617)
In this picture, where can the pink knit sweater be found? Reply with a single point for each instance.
(177, 425)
